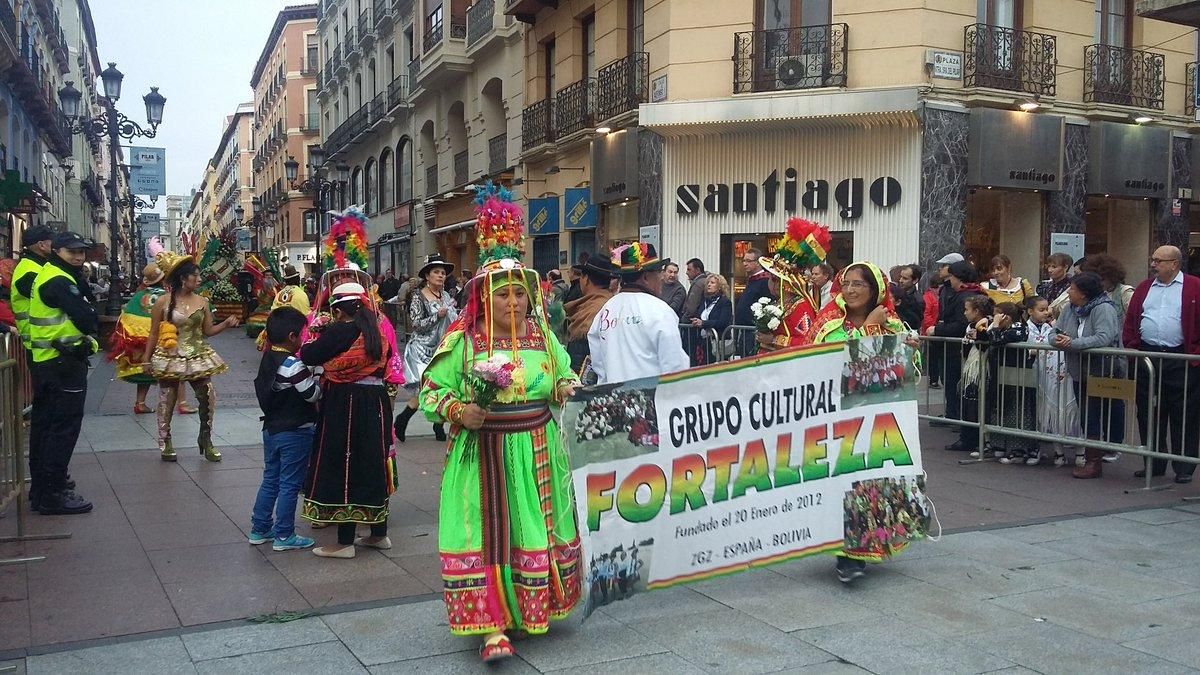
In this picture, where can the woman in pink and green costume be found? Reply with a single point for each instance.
(507, 535)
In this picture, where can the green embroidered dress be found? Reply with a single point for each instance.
(507, 536)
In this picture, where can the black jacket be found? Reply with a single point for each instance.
(952, 319)
(755, 289)
(911, 308)
(72, 296)
(719, 318)
(283, 409)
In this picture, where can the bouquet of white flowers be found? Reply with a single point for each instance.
(767, 315)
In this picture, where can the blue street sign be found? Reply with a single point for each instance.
(582, 214)
(148, 171)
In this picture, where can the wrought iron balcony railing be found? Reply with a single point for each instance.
(481, 19)
(1005, 58)
(379, 107)
(497, 154)
(364, 23)
(433, 37)
(575, 107)
(458, 27)
(1189, 86)
(460, 168)
(623, 85)
(309, 66)
(349, 44)
(414, 68)
(382, 10)
(807, 57)
(397, 91)
(1123, 76)
(537, 124)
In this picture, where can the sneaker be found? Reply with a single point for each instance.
(1110, 457)
(1080, 460)
(1060, 461)
(1012, 459)
(1034, 459)
(848, 570)
(256, 538)
(65, 503)
(935, 385)
(292, 543)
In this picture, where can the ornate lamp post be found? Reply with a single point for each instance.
(133, 202)
(116, 126)
(316, 183)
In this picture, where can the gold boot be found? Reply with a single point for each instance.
(167, 453)
(210, 453)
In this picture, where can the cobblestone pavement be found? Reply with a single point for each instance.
(1042, 573)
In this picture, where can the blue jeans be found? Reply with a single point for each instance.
(285, 455)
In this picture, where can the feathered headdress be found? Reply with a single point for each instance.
(500, 225)
(346, 243)
(805, 243)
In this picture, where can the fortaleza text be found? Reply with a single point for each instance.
(712, 419)
(736, 469)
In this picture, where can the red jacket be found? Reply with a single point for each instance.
(931, 310)
(1131, 333)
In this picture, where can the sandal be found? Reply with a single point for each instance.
(186, 409)
(141, 409)
(496, 648)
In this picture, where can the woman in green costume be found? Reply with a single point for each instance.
(507, 536)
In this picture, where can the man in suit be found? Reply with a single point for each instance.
(1164, 316)
(697, 278)
(757, 287)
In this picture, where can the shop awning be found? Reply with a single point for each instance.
(455, 226)
(780, 110)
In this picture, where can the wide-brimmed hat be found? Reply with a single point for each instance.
(435, 260)
(598, 265)
(347, 292)
(290, 273)
(167, 261)
(151, 274)
(635, 258)
(805, 243)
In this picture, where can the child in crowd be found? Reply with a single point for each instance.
(287, 391)
(1057, 411)
(977, 309)
(1011, 404)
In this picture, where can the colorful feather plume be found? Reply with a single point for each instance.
(805, 243)
(346, 243)
(500, 224)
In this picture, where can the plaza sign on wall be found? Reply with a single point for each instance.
(148, 171)
(850, 195)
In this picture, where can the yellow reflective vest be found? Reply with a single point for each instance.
(48, 324)
(20, 303)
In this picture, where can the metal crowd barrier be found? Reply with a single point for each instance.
(1016, 397)
(15, 397)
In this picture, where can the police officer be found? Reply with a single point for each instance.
(62, 326)
(36, 249)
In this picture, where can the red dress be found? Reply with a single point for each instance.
(798, 319)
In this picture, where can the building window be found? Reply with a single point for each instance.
(548, 68)
(637, 20)
(1003, 13)
(589, 47)
(356, 186)
(773, 14)
(387, 188)
(370, 193)
(1113, 24)
(404, 176)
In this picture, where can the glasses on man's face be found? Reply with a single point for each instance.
(857, 285)
(1159, 261)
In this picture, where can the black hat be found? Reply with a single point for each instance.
(435, 260)
(290, 272)
(71, 240)
(36, 233)
(597, 265)
(964, 271)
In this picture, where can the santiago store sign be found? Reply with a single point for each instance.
(849, 195)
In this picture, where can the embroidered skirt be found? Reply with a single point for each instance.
(352, 469)
(507, 536)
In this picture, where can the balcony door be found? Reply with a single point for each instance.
(997, 48)
(1113, 67)
(793, 43)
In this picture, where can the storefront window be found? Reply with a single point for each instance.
(545, 253)
(734, 246)
(619, 223)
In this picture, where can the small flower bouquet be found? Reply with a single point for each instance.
(489, 378)
(767, 315)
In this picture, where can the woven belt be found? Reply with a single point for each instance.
(516, 417)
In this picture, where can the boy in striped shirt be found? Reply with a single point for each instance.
(287, 391)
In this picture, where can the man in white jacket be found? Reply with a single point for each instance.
(636, 334)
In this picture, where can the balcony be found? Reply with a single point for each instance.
(402, 8)
(461, 174)
(384, 18)
(574, 107)
(365, 24)
(808, 57)
(1120, 76)
(526, 10)
(1014, 60)
(8, 36)
(414, 67)
(431, 180)
(481, 19)
(497, 154)
(432, 37)
(310, 123)
(537, 124)
(397, 91)
(379, 108)
(350, 47)
(623, 85)
(1189, 86)
(309, 66)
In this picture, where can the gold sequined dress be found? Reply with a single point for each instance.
(191, 358)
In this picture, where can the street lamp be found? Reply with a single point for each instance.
(320, 187)
(115, 126)
(132, 202)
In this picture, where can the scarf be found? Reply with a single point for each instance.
(582, 311)
(1083, 312)
(354, 364)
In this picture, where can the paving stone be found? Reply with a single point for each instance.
(1092, 613)
(107, 604)
(15, 667)
(259, 637)
(1158, 516)
(1117, 583)
(599, 639)
(326, 658)
(835, 667)
(1178, 646)
(786, 603)
(1001, 552)
(15, 629)
(1049, 648)
(889, 646)
(453, 664)
(654, 663)
(1146, 557)
(159, 655)
(970, 577)
(662, 604)
(398, 633)
(1038, 534)
(248, 593)
(727, 640)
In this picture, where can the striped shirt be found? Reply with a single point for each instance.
(293, 374)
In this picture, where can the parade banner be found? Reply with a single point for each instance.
(715, 470)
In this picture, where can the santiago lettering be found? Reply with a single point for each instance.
(754, 470)
(884, 192)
